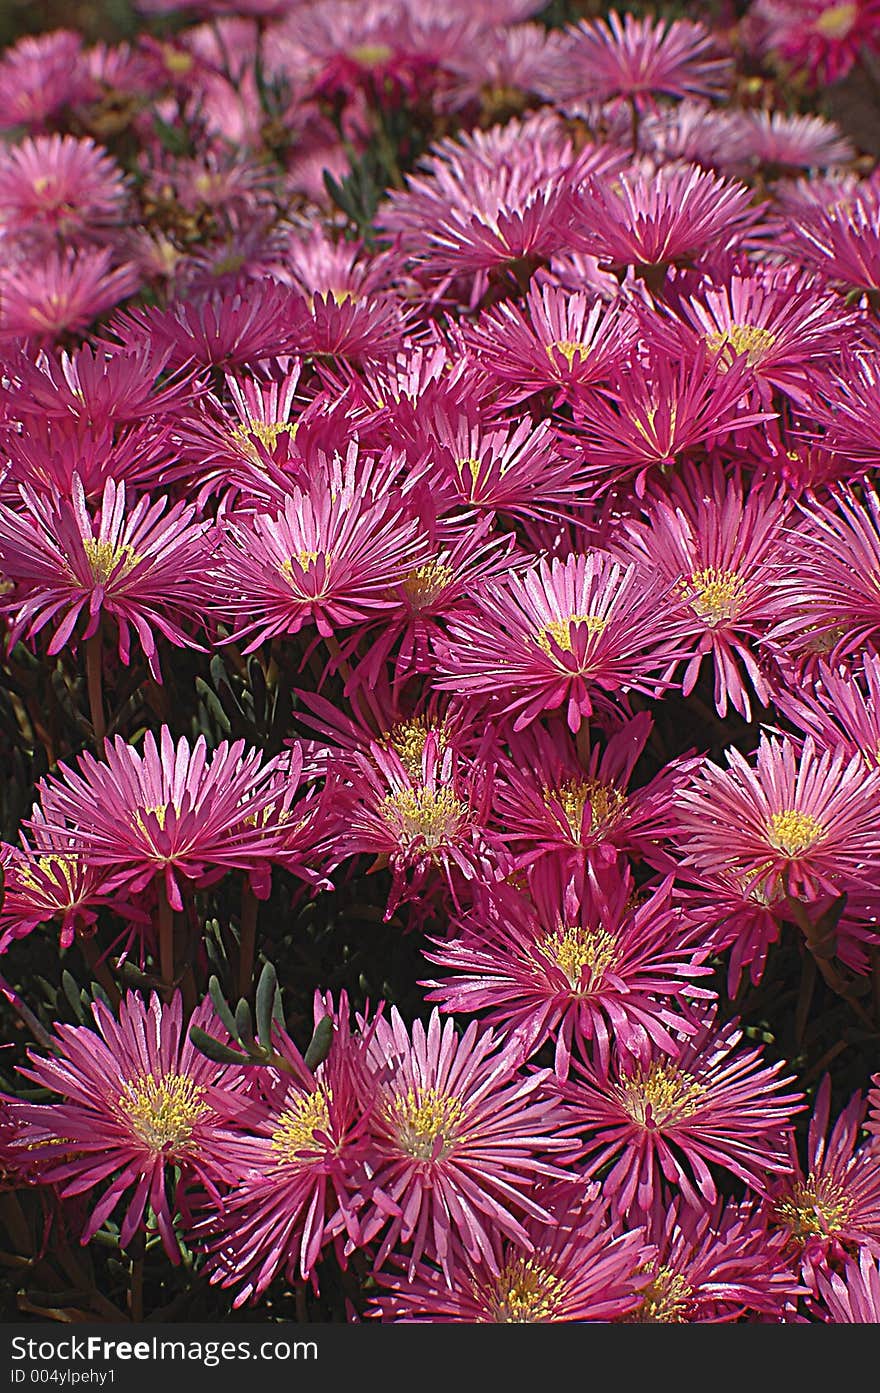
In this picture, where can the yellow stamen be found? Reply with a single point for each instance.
(160, 812)
(163, 1110)
(428, 815)
(105, 558)
(670, 1094)
(816, 1207)
(750, 339)
(665, 1300)
(408, 738)
(568, 348)
(526, 1291)
(793, 832)
(837, 21)
(370, 55)
(714, 596)
(267, 432)
(297, 1126)
(575, 948)
(55, 867)
(422, 1118)
(560, 630)
(607, 803)
(425, 583)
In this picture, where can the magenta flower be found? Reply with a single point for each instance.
(714, 1263)
(718, 547)
(828, 590)
(801, 822)
(829, 1208)
(852, 1297)
(297, 1168)
(841, 710)
(563, 342)
(61, 293)
(840, 235)
(820, 40)
(57, 189)
(561, 634)
(461, 1138)
(546, 802)
(577, 1268)
(174, 813)
(65, 564)
(45, 880)
(328, 559)
(141, 1114)
(638, 60)
(670, 218)
(576, 962)
(41, 75)
(677, 1119)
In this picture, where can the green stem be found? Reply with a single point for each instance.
(166, 937)
(94, 683)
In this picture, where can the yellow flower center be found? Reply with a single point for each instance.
(304, 561)
(561, 630)
(422, 1118)
(160, 812)
(370, 55)
(297, 1126)
(664, 1091)
(425, 583)
(267, 432)
(750, 339)
(105, 558)
(57, 868)
(428, 815)
(665, 1300)
(714, 596)
(408, 738)
(792, 832)
(816, 1207)
(837, 21)
(163, 1110)
(569, 348)
(607, 803)
(526, 1291)
(575, 948)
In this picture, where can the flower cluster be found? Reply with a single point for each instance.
(440, 601)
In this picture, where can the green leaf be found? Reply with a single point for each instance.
(319, 1045)
(215, 1049)
(71, 989)
(221, 1005)
(244, 1026)
(267, 989)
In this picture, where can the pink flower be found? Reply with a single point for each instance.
(575, 961)
(61, 293)
(57, 189)
(577, 1268)
(714, 1263)
(718, 547)
(297, 1169)
(800, 822)
(819, 39)
(560, 634)
(678, 1118)
(461, 1138)
(172, 813)
(638, 60)
(141, 1114)
(830, 1207)
(852, 1297)
(129, 563)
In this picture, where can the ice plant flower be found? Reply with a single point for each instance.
(714, 1263)
(718, 546)
(462, 1136)
(140, 1115)
(852, 1297)
(578, 1268)
(61, 293)
(297, 1169)
(578, 960)
(637, 60)
(175, 813)
(800, 821)
(57, 189)
(68, 566)
(819, 39)
(829, 1208)
(679, 1118)
(560, 634)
